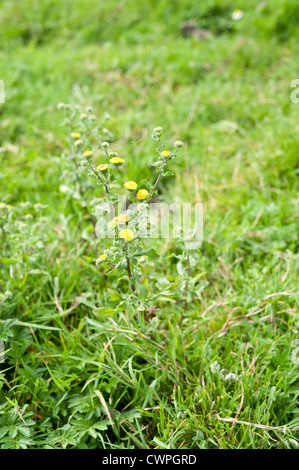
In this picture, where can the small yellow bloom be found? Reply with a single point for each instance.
(122, 219)
(75, 135)
(113, 223)
(87, 153)
(126, 234)
(130, 185)
(165, 153)
(116, 160)
(142, 194)
(102, 167)
(103, 257)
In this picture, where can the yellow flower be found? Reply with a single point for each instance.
(122, 219)
(102, 167)
(87, 153)
(113, 223)
(130, 185)
(76, 135)
(2, 204)
(116, 160)
(103, 257)
(165, 153)
(142, 194)
(126, 234)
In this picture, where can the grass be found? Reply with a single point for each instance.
(74, 379)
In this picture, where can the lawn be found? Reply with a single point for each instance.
(215, 367)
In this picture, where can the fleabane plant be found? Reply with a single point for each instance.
(127, 226)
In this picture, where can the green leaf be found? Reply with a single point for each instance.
(151, 253)
(113, 272)
(102, 311)
(8, 260)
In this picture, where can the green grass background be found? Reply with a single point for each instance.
(228, 99)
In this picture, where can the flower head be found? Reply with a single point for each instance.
(113, 223)
(179, 144)
(130, 185)
(158, 131)
(76, 135)
(103, 257)
(87, 153)
(237, 14)
(116, 160)
(102, 167)
(78, 143)
(165, 154)
(122, 219)
(126, 234)
(142, 194)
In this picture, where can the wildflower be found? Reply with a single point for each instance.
(87, 153)
(130, 185)
(142, 194)
(116, 160)
(113, 223)
(179, 144)
(2, 205)
(76, 135)
(126, 234)
(78, 143)
(237, 14)
(165, 154)
(102, 258)
(158, 131)
(102, 167)
(122, 219)
(105, 145)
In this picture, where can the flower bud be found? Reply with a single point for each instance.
(105, 145)
(78, 143)
(178, 144)
(158, 131)
(88, 154)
